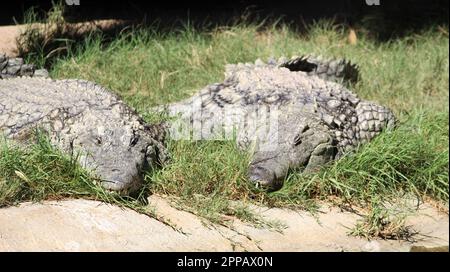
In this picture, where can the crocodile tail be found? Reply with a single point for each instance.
(337, 70)
(15, 67)
(372, 119)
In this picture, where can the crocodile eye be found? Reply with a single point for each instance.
(134, 140)
(297, 139)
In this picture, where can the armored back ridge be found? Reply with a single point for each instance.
(83, 118)
(292, 114)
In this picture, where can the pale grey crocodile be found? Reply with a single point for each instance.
(287, 112)
(85, 120)
(291, 113)
(14, 67)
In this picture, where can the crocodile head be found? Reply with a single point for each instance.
(317, 118)
(306, 142)
(118, 151)
(120, 156)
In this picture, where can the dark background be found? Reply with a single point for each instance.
(409, 10)
(391, 16)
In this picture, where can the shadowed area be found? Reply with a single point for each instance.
(390, 18)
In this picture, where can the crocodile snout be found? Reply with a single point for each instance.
(264, 178)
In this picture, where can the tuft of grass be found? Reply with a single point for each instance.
(36, 171)
(55, 176)
(148, 68)
(210, 187)
(44, 39)
(385, 223)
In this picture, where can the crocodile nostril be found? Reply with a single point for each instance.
(263, 178)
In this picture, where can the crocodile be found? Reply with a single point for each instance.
(14, 67)
(86, 121)
(291, 114)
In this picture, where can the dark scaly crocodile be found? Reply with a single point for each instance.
(83, 119)
(291, 113)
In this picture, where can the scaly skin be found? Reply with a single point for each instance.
(340, 71)
(14, 67)
(288, 119)
(84, 118)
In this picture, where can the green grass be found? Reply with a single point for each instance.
(55, 176)
(38, 171)
(148, 68)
